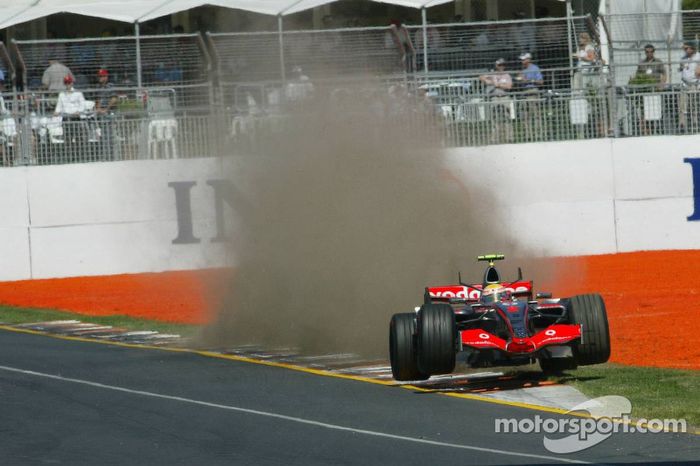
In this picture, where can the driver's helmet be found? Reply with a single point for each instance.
(493, 293)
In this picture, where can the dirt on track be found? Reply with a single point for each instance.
(653, 299)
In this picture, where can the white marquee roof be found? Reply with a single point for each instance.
(19, 11)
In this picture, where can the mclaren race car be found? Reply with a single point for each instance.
(497, 323)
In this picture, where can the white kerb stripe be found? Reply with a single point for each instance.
(288, 418)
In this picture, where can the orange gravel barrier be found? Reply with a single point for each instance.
(653, 299)
(653, 303)
(183, 297)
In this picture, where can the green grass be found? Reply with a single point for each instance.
(17, 315)
(654, 393)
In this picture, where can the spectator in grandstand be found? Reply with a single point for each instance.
(8, 134)
(498, 84)
(523, 32)
(70, 107)
(651, 69)
(399, 37)
(328, 42)
(106, 96)
(299, 86)
(54, 76)
(530, 79)
(650, 75)
(688, 100)
(434, 38)
(105, 103)
(587, 64)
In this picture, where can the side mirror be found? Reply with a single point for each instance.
(543, 295)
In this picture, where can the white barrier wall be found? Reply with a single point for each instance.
(565, 198)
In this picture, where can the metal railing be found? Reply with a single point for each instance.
(188, 95)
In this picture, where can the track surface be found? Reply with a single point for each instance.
(69, 402)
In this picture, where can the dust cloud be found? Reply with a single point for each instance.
(344, 216)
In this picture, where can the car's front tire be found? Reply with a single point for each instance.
(402, 348)
(437, 336)
(588, 310)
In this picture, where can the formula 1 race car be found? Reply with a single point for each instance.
(497, 323)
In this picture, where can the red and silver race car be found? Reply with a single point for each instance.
(497, 323)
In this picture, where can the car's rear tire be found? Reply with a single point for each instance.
(557, 365)
(402, 348)
(437, 336)
(588, 310)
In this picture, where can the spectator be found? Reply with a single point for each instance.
(651, 68)
(523, 32)
(70, 106)
(587, 63)
(434, 38)
(399, 37)
(53, 78)
(299, 86)
(106, 96)
(650, 75)
(531, 79)
(531, 76)
(105, 104)
(690, 77)
(498, 83)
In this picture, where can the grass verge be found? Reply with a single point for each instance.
(655, 393)
(17, 315)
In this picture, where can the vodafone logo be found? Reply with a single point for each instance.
(455, 292)
(484, 336)
(550, 333)
(466, 292)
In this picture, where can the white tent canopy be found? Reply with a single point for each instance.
(130, 11)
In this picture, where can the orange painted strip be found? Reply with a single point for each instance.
(653, 299)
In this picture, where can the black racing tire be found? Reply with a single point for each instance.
(557, 365)
(402, 347)
(588, 310)
(437, 336)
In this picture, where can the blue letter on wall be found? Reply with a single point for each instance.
(695, 164)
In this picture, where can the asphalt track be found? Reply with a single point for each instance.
(74, 402)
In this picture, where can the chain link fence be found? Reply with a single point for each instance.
(189, 95)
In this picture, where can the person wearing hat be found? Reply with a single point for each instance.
(498, 84)
(531, 79)
(70, 106)
(499, 81)
(106, 100)
(530, 76)
(688, 99)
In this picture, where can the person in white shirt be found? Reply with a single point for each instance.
(498, 84)
(587, 64)
(70, 105)
(70, 102)
(688, 100)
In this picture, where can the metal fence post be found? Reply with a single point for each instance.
(424, 15)
(139, 78)
(280, 31)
